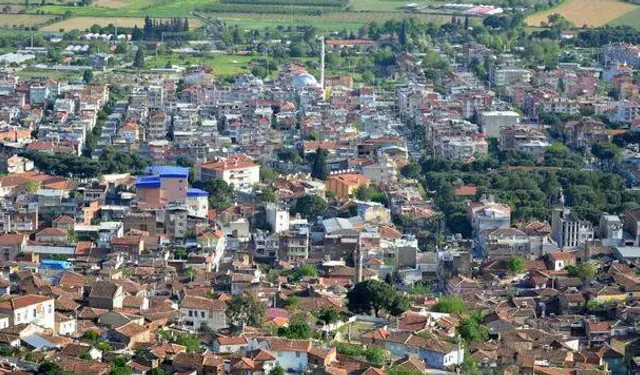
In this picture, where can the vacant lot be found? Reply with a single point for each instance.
(592, 13)
(223, 65)
(22, 20)
(83, 23)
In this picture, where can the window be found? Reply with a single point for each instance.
(190, 312)
(49, 309)
(297, 354)
(18, 317)
(202, 314)
(34, 313)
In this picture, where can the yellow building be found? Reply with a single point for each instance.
(344, 185)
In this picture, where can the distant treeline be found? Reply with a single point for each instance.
(600, 36)
(268, 9)
(154, 28)
(317, 3)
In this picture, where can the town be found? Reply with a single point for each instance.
(407, 198)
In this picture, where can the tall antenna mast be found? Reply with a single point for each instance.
(322, 65)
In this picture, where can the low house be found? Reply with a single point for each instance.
(52, 235)
(229, 344)
(131, 334)
(65, 325)
(81, 350)
(201, 311)
(106, 295)
(81, 366)
(291, 355)
(559, 260)
(436, 353)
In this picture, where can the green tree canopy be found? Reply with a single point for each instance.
(584, 270)
(310, 206)
(328, 315)
(373, 296)
(243, 310)
(450, 305)
(515, 264)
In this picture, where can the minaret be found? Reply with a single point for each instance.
(322, 65)
(357, 260)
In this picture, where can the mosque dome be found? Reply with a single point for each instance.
(304, 80)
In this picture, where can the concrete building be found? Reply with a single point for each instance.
(491, 122)
(345, 185)
(567, 230)
(237, 170)
(500, 76)
(165, 184)
(277, 218)
(610, 230)
(487, 215)
(198, 202)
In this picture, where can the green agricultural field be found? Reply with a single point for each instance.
(357, 13)
(631, 19)
(223, 65)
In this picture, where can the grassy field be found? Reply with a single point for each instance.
(22, 20)
(359, 13)
(29, 74)
(223, 65)
(631, 19)
(82, 23)
(592, 13)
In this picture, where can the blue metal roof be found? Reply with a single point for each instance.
(55, 264)
(169, 171)
(148, 182)
(194, 192)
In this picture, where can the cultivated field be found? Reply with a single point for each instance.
(9, 21)
(592, 13)
(83, 23)
(240, 12)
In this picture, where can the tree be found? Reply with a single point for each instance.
(269, 196)
(119, 367)
(319, 168)
(138, 62)
(220, 193)
(305, 270)
(242, 310)
(310, 206)
(412, 170)
(278, 370)
(399, 305)
(450, 305)
(584, 270)
(375, 354)
(328, 315)
(87, 76)
(297, 329)
(50, 368)
(365, 193)
(32, 186)
(515, 264)
(91, 336)
(157, 371)
(190, 341)
(472, 329)
(370, 295)
(268, 175)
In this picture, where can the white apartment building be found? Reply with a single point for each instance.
(29, 308)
